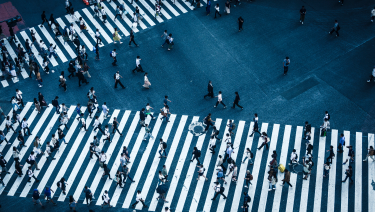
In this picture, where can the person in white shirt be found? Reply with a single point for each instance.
(217, 10)
(138, 66)
(147, 133)
(106, 199)
(220, 100)
(234, 175)
(114, 54)
(8, 124)
(97, 36)
(64, 120)
(32, 161)
(102, 158)
(161, 178)
(372, 15)
(98, 125)
(147, 83)
(201, 172)
(293, 157)
(218, 190)
(30, 173)
(139, 199)
(372, 76)
(83, 123)
(107, 134)
(123, 159)
(165, 113)
(170, 42)
(148, 111)
(49, 151)
(43, 48)
(19, 97)
(105, 110)
(248, 156)
(104, 15)
(25, 126)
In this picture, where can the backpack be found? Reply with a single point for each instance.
(121, 7)
(198, 153)
(110, 54)
(164, 145)
(222, 189)
(251, 177)
(251, 155)
(58, 184)
(296, 156)
(114, 76)
(233, 126)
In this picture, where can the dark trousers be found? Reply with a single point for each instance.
(114, 61)
(350, 178)
(126, 177)
(100, 128)
(91, 153)
(45, 20)
(263, 144)
(9, 127)
(98, 39)
(248, 182)
(225, 157)
(288, 183)
(28, 130)
(88, 197)
(254, 131)
(221, 193)
(329, 159)
(138, 68)
(118, 15)
(236, 103)
(119, 82)
(195, 157)
(285, 69)
(220, 103)
(208, 125)
(210, 94)
(240, 26)
(57, 109)
(115, 129)
(217, 13)
(132, 40)
(32, 177)
(83, 126)
(136, 202)
(334, 30)
(82, 80)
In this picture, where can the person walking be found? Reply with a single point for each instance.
(138, 66)
(139, 199)
(350, 155)
(372, 15)
(196, 154)
(30, 173)
(113, 55)
(62, 184)
(340, 148)
(83, 122)
(142, 117)
(228, 152)
(265, 141)
(248, 178)
(25, 126)
(210, 89)
(8, 124)
(208, 122)
(97, 52)
(201, 172)
(118, 13)
(105, 110)
(106, 199)
(49, 151)
(331, 154)
(335, 28)
(220, 100)
(148, 111)
(147, 83)
(132, 38)
(55, 103)
(32, 160)
(3, 138)
(286, 178)
(326, 169)
(125, 171)
(115, 125)
(19, 97)
(116, 37)
(217, 10)
(106, 171)
(371, 153)
(302, 13)
(372, 76)
(97, 36)
(249, 155)
(88, 195)
(286, 63)
(170, 42)
(349, 174)
(44, 18)
(118, 178)
(36, 197)
(272, 180)
(165, 112)
(240, 23)
(47, 194)
(163, 147)
(255, 127)
(236, 101)
(213, 139)
(62, 81)
(3, 163)
(104, 15)
(117, 80)
(147, 133)
(208, 7)
(219, 190)
(164, 172)
(164, 37)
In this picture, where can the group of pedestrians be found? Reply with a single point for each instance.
(210, 89)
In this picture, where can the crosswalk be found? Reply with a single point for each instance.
(185, 192)
(66, 51)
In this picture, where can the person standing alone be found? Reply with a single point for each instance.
(240, 23)
(302, 12)
(210, 89)
(286, 63)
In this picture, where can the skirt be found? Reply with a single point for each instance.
(227, 9)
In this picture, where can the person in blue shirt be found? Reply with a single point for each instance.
(166, 100)
(335, 28)
(47, 193)
(341, 144)
(36, 197)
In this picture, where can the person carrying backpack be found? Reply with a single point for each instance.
(163, 147)
(219, 190)
(62, 184)
(196, 154)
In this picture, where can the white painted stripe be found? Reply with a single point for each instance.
(345, 186)
(171, 153)
(15, 125)
(181, 161)
(181, 7)
(371, 172)
(43, 160)
(293, 176)
(115, 166)
(38, 38)
(188, 4)
(28, 143)
(358, 173)
(83, 155)
(170, 8)
(43, 182)
(236, 144)
(62, 24)
(151, 9)
(155, 162)
(13, 55)
(319, 175)
(306, 183)
(163, 11)
(79, 161)
(77, 30)
(34, 50)
(52, 41)
(189, 177)
(107, 24)
(4, 83)
(117, 20)
(258, 159)
(282, 160)
(15, 79)
(265, 187)
(332, 175)
(66, 45)
(211, 191)
(130, 11)
(242, 173)
(98, 26)
(43, 138)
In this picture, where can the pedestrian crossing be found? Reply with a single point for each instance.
(185, 191)
(66, 50)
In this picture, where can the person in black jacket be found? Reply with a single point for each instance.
(255, 128)
(196, 154)
(3, 163)
(55, 103)
(44, 18)
(81, 78)
(77, 43)
(142, 116)
(307, 130)
(210, 89)
(236, 100)
(349, 174)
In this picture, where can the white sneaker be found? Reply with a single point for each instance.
(245, 186)
(114, 42)
(368, 80)
(120, 42)
(302, 22)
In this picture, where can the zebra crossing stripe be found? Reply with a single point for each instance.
(91, 164)
(43, 137)
(78, 31)
(118, 24)
(13, 55)
(142, 163)
(211, 191)
(264, 192)
(107, 184)
(126, 19)
(107, 24)
(52, 41)
(345, 186)
(163, 11)
(358, 173)
(175, 13)
(319, 174)
(242, 173)
(282, 160)
(66, 45)
(89, 30)
(26, 55)
(187, 3)
(332, 175)
(117, 21)
(236, 144)
(103, 33)
(155, 162)
(43, 160)
(183, 10)
(256, 167)
(27, 143)
(171, 153)
(33, 48)
(371, 172)
(4, 83)
(58, 155)
(150, 10)
(189, 177)
(2, 126)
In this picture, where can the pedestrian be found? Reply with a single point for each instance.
(88, 195)
(335, 28)
(118, 13)
(306, 168)
(105, 110)
(3, 163)
(97, 52)
(286, 63)
(372, 15)
(82, 25)
(16, 154)
(208, 122)
(255, 127)
(115, 125)
(39, 79)
(210, 89)
(349, 174)
(164, 172)
(293, 157)
(272, 180)
(72, 203)
(62, 81)
(116, 37)
(196, 154)
(219, 190)
(265, 140)
(157, 10)
(217, 10)
(147, 133)
(36, 198)
(117, 77)
(125, 171)
(49, 150)
(62, 184)
(326, 169)
(44, 18)
(47, 194)
(208, 7)
(231, 126)
(3, 138)
(61, 135)
(161, 179)
(201, 172)
(139, 199)
(286, 178)
(370, 154)
(307, 132)
(106, 199)
(132, 38)
(106, 171)
(37, 146)
(148, 111)
(331, 154)
(25, 126)
(220, 100)
(302, 13)
(249, 155)
(147, 83)
(164, 37)
(104, 15)
(8, 124)
(236, 100)
(213, 139)
(248, 178)
(97, 36)
(32, 160)
(30, 173)
(83, 53)
(55, 103)
(83, 122)
(163, 147)
(372, 76)
(165, 112)
(220, 163)
(138, 66)
(170, 42)
(68, 4)
(113, 55)
(166, 100)
(118, 178)
(107, 134)
(228, 152)
(64, 120)
(21, 139)
(350, 155)
(240, 23)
